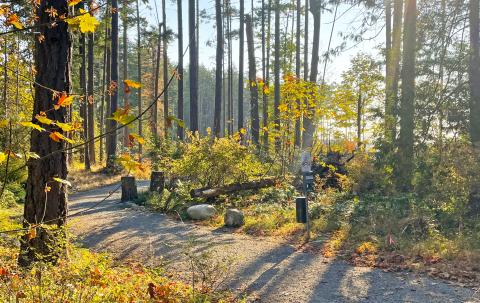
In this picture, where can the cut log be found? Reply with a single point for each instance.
(129, 189)
(231, 188)
(157, 181)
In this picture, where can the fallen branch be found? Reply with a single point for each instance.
(231, 188)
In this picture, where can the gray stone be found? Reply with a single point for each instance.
(201, 211)
(234, 218)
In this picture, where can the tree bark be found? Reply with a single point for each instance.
(392, 74)
(139, 76)
(276, 74)
(129, 189)
(112, 124)
(157, 181)
(241, 49)
(104, 91)
(193, 67)
(84, 102)
(316, 10)
(267, 76)
(126, 130)
(53, 66)
(165, 72)
(252, 79)
(404, 168)
(305, 43)
(180, 69)
(218, 69)
(297, 70)
(90, 100)
(155, 84)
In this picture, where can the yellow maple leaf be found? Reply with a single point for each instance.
(63, 101)
(132, 84)
(43, 119)
(73, 2)
(66, 127)
(56, 136)
(3, 157)
(13, 19)
(32, 125)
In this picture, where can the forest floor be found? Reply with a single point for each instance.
(267, 269)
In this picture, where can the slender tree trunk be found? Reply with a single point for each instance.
(359, 118)
(180, 69)
(316, 10)
(91, 100)
(297, 70)
(108, 111)
(52, 63)
(474, 74)
(276, 74)
(126, 104)
(139, 76)
(165, 72)
(392, 73)
(112, 144)
(193, 67)
(252, 75)
(5, 76)
(230, 70)
(264, 96)
(267, 76)
(155, 84)
(404, 168)
(104, 92)
(84, 104)
(305, 43)
(218, 69)
(241, 49)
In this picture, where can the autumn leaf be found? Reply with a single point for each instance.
(122, 116)
(134, 137)
(32, 155)
(128, 162)
(66, 127)
(73, 2)
(32, 233)
(42, 118)
(32, 125)
(13, 19)
(57, 137)
(63, 181)
(63, 101)
(3, 157)
(179, 122)
(85, 22)
(3, 123)
(130, 84)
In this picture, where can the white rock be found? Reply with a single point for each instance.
(201, 211)
(234, 218)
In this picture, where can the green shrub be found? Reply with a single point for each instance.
(8, 199)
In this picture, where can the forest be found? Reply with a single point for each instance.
(239, 151)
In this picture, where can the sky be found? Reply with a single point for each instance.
(348, 19)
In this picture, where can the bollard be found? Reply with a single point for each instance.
(157, 181)
(129, 189)
(301, 209)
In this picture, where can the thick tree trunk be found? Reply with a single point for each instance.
(231, 188)
(193, 67)
(52, 63)
(392, 73)
(316, 9)
(276, 74)
(112, 124)
(241, 49)
(218, 69)
(404, 168)
(252, 79)
(180, 69)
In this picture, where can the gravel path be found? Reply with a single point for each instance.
(267, 269)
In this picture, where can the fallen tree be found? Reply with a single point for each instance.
(231, 188)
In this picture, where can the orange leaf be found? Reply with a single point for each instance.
(32, 233)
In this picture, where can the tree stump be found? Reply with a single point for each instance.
(157, 181)
(129, 189)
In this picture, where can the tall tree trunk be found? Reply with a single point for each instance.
(165, 72)
(218, 69)
(404, 168)
(139, 76)
(297, 70)
(180, 69)
(241, 49)
(112, 142)
(267, 76)
(252, 75)
(193, 67)
(230, 70)
(126, 104)
(316, 10)
(359, 118)
(5, 76)
(474, 79)
(108, 111)
(305, 43)
(104, 92)
(276, 74)
(155, 84)
(90, 99)
(392, 73)
(52, 63)
(84, 104)
(474, 74)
